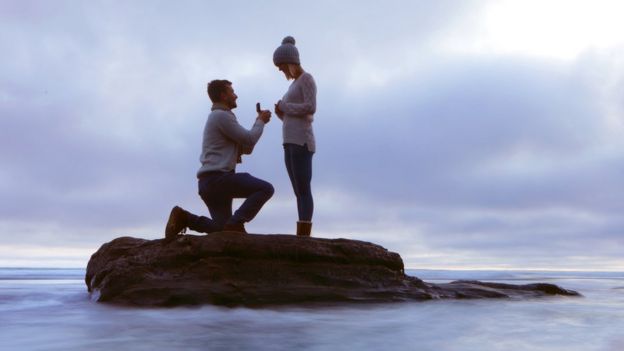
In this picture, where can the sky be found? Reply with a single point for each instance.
(460, 134)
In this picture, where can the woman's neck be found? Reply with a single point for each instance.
(298, 72)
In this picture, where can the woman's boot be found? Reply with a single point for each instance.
(304, 228)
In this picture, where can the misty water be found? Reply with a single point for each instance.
(50, 309)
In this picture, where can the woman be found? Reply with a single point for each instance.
(296, 110)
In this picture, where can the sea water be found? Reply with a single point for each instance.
(50, 309)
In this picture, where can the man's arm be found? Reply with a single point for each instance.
(229, 126)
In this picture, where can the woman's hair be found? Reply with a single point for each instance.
(292, 69)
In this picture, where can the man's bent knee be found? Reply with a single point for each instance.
(268, 189)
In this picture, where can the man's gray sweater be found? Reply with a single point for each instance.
(225, 140)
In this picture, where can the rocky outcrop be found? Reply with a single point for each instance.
(234, 269)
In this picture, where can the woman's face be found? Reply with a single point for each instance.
(283, 67)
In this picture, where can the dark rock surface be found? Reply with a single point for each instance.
(253, 270)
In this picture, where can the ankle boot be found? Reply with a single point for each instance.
(235, 227)
(304, 228)
(177, 223)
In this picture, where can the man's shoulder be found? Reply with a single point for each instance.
(218, 115)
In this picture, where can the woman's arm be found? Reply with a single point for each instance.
(308, 106)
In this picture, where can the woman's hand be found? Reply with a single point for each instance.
(278, 111)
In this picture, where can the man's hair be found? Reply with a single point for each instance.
(216, 88)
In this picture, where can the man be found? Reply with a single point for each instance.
(223, 143)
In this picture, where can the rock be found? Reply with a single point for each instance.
(234, 269)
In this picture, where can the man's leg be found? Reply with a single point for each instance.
(220, 207)
(255, 191)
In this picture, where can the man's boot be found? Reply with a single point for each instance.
(234, 227)
(177, 223)
(304, 228)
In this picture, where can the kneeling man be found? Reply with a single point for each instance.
(224, 142)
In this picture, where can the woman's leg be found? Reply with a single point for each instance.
(299, 166)
(288, 161)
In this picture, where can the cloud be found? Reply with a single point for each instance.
(449, 156)
(507, 158)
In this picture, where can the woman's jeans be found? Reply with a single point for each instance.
(298, 161)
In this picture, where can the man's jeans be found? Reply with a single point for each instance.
(298, 161)
(217, 189)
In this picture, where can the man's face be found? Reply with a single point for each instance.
(228, 98)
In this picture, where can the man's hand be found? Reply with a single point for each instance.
(278, 112)
(264, 116)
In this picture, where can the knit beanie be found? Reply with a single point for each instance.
(287, 52)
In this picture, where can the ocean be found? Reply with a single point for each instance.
(50, 309)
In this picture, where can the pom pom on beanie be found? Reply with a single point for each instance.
(287, 52)
(288, 40)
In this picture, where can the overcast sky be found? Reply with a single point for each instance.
(460, 134)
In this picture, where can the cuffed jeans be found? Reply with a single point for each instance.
(217, 189)
(298, 161)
